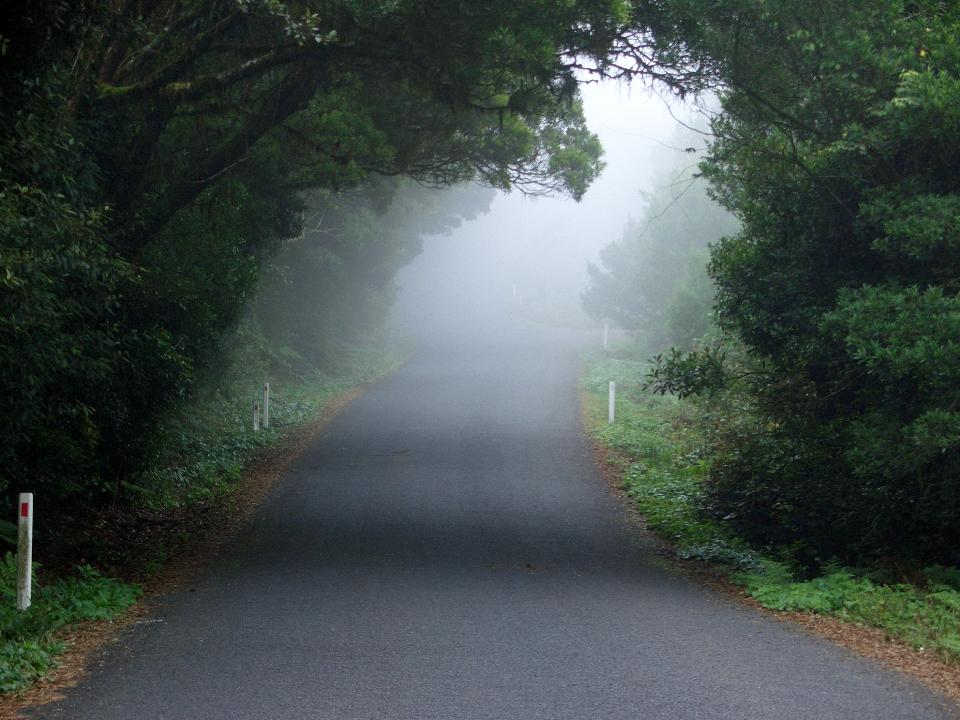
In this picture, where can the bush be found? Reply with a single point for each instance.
(925, 617)
(679, 482)
(27, 638)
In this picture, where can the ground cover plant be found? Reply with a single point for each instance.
(205, 444)
(28, 639)
(203, 450)
(662, 449)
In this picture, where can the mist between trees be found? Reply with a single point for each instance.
(178, 174)
(653, 281)
(825, 371)
(193, 194)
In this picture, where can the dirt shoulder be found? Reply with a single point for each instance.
(191, 536)
(865, 641)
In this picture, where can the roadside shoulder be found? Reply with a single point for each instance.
(638, 464)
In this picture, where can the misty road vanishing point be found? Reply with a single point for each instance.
(449, 550)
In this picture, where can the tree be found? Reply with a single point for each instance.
(652, 281)
(836, 148)
(329, 290)
(167, 149)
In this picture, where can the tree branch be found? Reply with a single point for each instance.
(291, 96)
(189, 90)
(193, 50)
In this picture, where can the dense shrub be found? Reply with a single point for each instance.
(837, 148)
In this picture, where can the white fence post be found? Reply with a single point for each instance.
(606, 332)
(266, 405)
(256, 417)
(24, 551)
(612, 404)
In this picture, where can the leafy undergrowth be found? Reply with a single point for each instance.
(28, 644)
(927, 617)
(663, 476)
(207, 444)
(665, 464)
(205, 448)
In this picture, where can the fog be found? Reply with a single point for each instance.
(527, 256)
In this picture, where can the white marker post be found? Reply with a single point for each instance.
(24, 551)
(612, 404)
(266, 405)
(256, 417)
(606, 331)
(514, 291)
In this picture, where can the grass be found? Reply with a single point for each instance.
(664, 465)
(927, 616)
(205, 447)
(28, 644)
(662, 473)
(207, 444)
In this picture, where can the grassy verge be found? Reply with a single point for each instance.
(28, 642)
(664, 464)
(205, 447)
(207, 443)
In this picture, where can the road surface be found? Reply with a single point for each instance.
(449, 550)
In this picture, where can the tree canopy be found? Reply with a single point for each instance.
(653, 280)
(156, 155)
(837, 149)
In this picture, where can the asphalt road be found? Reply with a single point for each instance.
(449, 550)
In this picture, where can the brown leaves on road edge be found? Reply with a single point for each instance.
(225, 520)
(220, 523)
(868, 642)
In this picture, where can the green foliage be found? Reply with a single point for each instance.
(689, 312)
(21, 663)
(838, 132)
(27, 644)
(689, 373)
(653, 280)
(154, 159)
(330, 289)
(628, 374)
(665, 471)
(667, 447)
(203, 445)
(942, 578)
(8, 532)
(59, 280)
(924, 617)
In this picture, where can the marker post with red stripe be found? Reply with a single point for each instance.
(24, 550)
